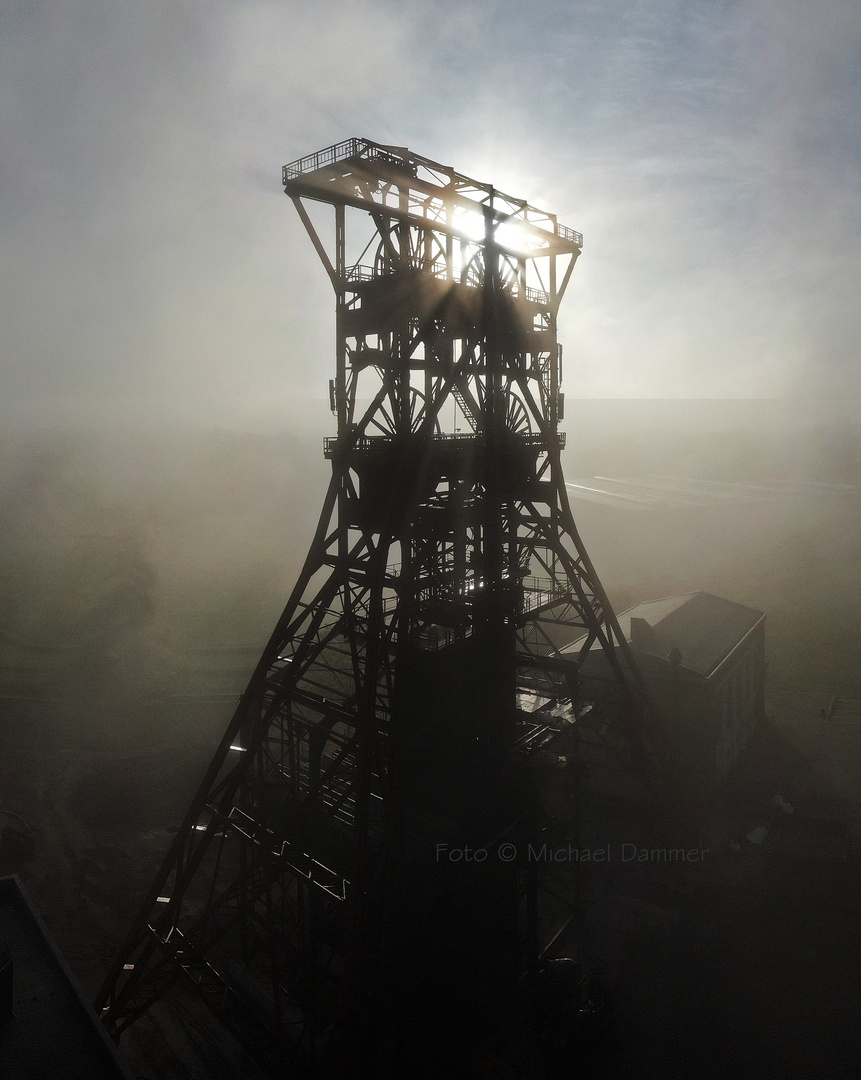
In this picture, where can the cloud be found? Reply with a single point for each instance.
(708, 150)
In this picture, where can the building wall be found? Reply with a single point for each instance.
(739, 695)
(708, 721)
(689, 715)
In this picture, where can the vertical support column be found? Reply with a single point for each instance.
(341, 404)
(342, 398)
(553, 397)
(402, 373)
(494, 412)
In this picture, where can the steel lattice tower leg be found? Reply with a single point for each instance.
(309, 896)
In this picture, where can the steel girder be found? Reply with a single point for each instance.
(446, 520)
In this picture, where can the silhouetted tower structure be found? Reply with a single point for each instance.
(323, 894)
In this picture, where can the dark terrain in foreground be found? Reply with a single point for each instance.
(136, 593)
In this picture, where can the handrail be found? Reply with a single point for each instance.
(362, 148)
(569, 234)
(379, 442)
(438, 269)
(331, 155)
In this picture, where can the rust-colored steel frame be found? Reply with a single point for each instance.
(446, 512)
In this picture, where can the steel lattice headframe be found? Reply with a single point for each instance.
(424, 654)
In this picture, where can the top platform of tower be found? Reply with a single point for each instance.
(407, 186)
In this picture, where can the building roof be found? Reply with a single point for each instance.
(53, 1030)
(702, 627)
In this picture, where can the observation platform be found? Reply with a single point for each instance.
(357, 171)
(446, 446)
(382, 300)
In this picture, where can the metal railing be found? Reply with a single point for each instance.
(438, 269)
(379, 443)
(538, 592)
(536, 296)
(328, 156)
(360, 272)
(361, 148)
(569, 234)
(331, 155)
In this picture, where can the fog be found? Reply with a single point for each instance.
(166, 338)
(709, 152)
(129, 561)
(142, 572)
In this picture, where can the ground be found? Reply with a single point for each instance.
(746, 964)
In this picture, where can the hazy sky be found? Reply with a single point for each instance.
(708, 149)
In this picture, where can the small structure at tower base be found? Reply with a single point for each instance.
(704, 659)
